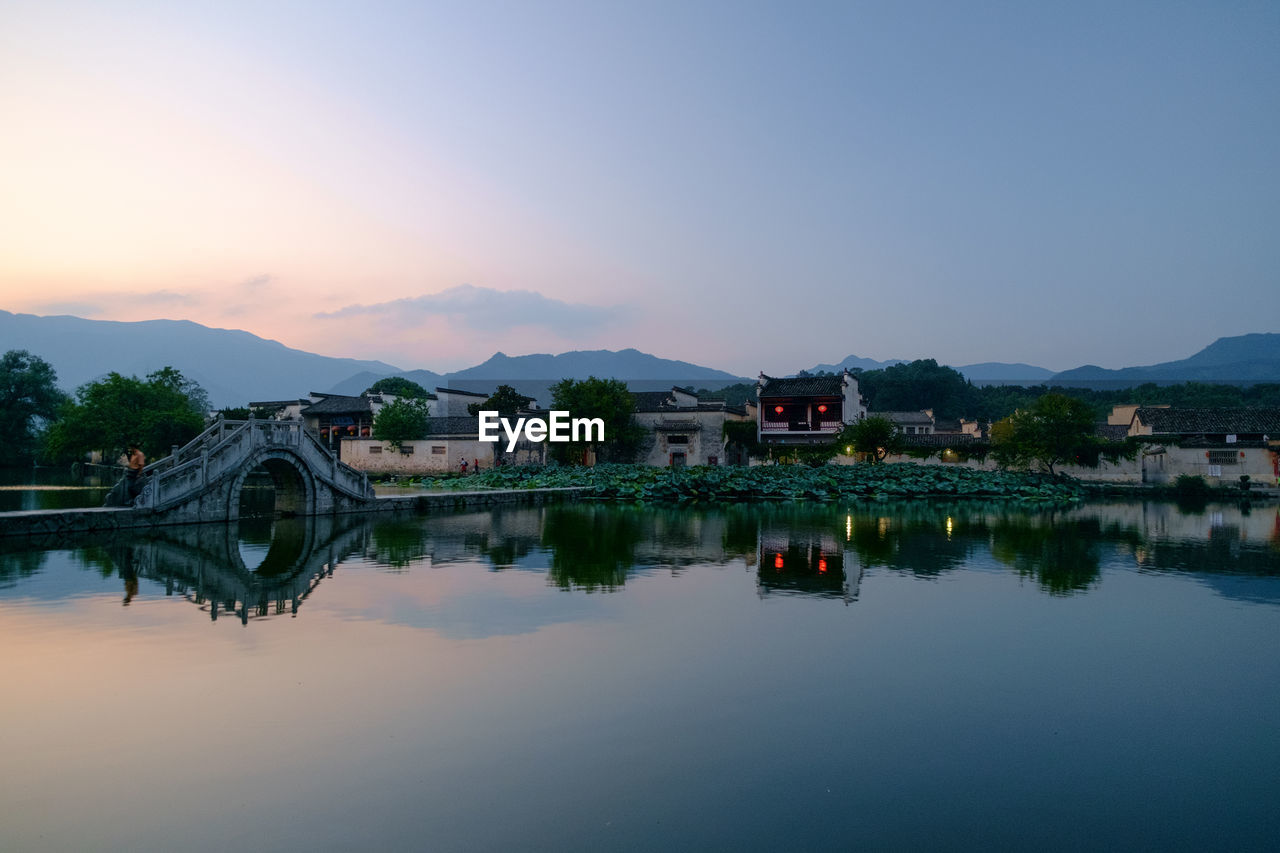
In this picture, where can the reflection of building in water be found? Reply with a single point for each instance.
(809, 560)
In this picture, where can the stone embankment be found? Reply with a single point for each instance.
(47, 522)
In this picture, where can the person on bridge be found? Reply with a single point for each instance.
(135, 461)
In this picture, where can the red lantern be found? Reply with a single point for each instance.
(777, 410)
(822, 408)
(351, 430)
(364, 431)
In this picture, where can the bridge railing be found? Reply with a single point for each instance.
(226, 445)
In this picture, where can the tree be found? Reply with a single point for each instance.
(398, 386)
(874, 436)
(29, 399)
(171, 379)
(402, 420)
(1055, 429)
(116, 411)
(506, 401)
(607, 399)
(922, 384)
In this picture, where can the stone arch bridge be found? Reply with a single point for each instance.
(203, 480)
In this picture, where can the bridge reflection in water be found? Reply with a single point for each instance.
(266, 567)
(253, 569)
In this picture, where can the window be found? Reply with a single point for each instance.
(713, 460)
(1224, 457)
(406, 449)
(677, 439)
(437, 450)
(377, 448)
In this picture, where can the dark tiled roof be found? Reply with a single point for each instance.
(1111, 432)
(803, 386)
(465, 393)
(943, 441)
(663, 401)
(277, 404)
(461, 425)
(905, 417)
(652, 401)
(677, 426)
(335, 404)
(1211, 421)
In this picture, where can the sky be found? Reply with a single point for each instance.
(748, 186)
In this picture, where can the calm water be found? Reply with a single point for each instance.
(893, 676)
(53, 488)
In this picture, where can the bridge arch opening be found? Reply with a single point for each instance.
(274, 488)
(272, 547)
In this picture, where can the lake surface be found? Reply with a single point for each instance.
(53, 488)
(590, 677)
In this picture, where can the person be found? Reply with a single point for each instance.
(475, 465)
(135, 461)
(464, 465)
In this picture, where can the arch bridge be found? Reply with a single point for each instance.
(203, 480)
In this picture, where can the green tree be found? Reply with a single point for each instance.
(922, 384)
(29, 399)
(506, 401)
(115, 411)
(171, 380)
(607, 399)
(402, 420)
(398, 386)
(1056, 429)
(874, 436)
(734, 395)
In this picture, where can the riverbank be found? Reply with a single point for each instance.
(65, 522)
(800, 482)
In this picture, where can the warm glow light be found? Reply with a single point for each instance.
(822, 408)
(948, 527)
(848, 527)
(849, 450)
(822, 566)
(777, 561)
(777, 409)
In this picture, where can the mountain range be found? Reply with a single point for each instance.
(987, 371)
(1242, 359)
(237, 367)
(232, 366)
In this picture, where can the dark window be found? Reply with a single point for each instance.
(406, 449)
(1224, 457)
(377, 448)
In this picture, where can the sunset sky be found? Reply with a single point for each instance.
(743, 185)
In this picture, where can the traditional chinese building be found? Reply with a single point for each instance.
(806, 409)
(685, 430)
